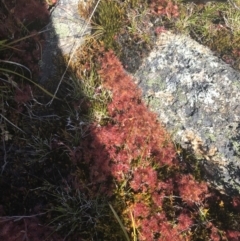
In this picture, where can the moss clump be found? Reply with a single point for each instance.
(222, 41)
(108, 20)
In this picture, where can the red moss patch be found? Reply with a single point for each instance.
(22, 20)
(26, 229)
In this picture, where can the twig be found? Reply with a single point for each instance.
(25, 237)
(17, 64)
(12, 123)
(4, 157)
(18, 218)
(234, 4)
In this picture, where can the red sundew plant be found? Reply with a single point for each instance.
(236, 52)
(132, 153)
(190, 190)
(215, 235)
(140, 210)
(164, 7)
(131, 148)
(236, 203)
(218, 235)
(184, 221)
(134, 134)
(144, 179)
(23, 95)
(160, 30)
(233, 235)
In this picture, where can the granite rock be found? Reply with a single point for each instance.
(197, 98)
(64, 34)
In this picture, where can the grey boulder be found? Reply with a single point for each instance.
(197, 98)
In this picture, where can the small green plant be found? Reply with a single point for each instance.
(42, 148)
(108, 20)
(75, 214)
(214, 24)
(91, 97)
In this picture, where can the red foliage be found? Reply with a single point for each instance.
(144, 179)
(156, 227)
(130, 149)
(149, 227)
(184, 222)
(190, 190)
(157, 198)
(164, 7)
(236, 52)
(233, 235)
(33, 15)
(236, 203)
(159, 30)
(134, 134)
(138, 129)
(25, 11)
(215, 235)
(140, 210)
(168, 233)
(100, 165)
(26, 229)
(166, 186)
(23, 95)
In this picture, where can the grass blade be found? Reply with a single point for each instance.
(134, 228)
(119, 221)
(31, 81)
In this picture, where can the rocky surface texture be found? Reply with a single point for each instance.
(64, 33)
(197, 98)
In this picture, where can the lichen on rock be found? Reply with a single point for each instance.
(197, 98)
(64, 34)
